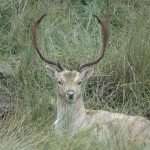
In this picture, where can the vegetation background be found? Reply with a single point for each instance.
(69, 33)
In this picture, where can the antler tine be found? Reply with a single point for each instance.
(34, 41)
(104, 23)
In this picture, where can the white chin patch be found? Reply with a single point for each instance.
(71, 100)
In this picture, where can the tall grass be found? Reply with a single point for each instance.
(70, 34)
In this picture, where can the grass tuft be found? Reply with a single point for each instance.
(70, 34)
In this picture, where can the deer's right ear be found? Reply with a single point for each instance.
(53, 73)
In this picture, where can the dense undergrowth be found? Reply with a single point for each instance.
(69, 33)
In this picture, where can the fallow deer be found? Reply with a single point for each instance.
(71, 113)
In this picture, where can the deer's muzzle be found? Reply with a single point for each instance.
(70, 95)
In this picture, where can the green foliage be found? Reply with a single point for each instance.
(70, 34)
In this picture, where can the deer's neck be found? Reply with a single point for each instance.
(70, 116)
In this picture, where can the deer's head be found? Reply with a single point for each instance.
(69, 82)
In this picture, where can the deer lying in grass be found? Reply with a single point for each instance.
(71, 114)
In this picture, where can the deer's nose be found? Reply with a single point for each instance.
(70, 94)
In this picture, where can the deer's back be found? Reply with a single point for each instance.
(111, 123)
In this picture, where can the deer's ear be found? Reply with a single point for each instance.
(53, 73)
(87, 73)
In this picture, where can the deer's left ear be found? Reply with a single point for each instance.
(87, 73)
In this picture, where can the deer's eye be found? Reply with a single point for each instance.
(79, 83)
(60, 83)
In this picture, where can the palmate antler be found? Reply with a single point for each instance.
(105, 30)
(34, 41)
(104, 23)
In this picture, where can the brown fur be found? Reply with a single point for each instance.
(69, 74)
